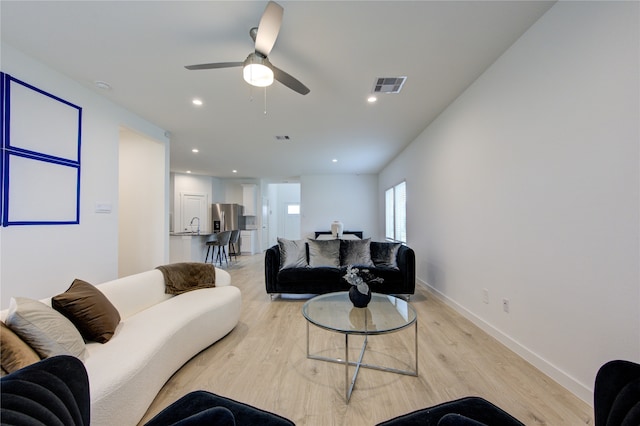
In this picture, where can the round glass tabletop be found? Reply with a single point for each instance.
(335, 312)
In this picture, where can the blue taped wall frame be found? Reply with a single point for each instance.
(40, 164)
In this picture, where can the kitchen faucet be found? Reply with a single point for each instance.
(191, 223)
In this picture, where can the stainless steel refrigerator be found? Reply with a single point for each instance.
(227, 217)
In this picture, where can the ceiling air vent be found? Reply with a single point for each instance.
(388, 84)
(283, 138)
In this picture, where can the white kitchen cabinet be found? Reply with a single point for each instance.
(250, 199)
(249, 242)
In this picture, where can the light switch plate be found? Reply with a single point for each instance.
(103, 207)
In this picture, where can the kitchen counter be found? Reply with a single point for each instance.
(188, 246)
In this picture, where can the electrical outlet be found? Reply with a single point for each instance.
(505, 305)
(485, 295)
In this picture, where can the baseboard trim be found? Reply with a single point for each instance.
(585, 393)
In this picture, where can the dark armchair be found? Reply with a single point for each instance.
(616, 402)
(54, 391)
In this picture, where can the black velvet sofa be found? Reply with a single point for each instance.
(399, 275)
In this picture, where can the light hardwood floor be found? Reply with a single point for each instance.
(263, 362)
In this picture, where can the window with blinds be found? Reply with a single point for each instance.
(396, 212)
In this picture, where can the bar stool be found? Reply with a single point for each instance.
(221, 241)
(233, 243)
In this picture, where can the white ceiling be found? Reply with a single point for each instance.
(336, 48)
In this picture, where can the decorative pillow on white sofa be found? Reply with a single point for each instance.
(15, 352)
(47, 331)
(293, 253)
(324, 253)
(89, 310)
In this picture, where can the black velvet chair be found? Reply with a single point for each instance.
(616, 403)
(204, 408)
(51, 392)
(470, 411)
(616, 396)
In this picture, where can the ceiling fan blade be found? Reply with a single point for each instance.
(214, 65)
(289, 81)
(268, 28)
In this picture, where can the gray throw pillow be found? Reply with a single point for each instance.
(384, 254)
(324, 253)
(293, 253)
(356, 252)
(46, 330)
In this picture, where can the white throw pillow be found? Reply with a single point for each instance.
(47, 331)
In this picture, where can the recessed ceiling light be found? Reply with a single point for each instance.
(234, 171)
(197, 102)
(371, 99)
(188, 171)
(195, 150)
(335, 160)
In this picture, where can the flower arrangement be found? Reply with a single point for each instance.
(361, 278)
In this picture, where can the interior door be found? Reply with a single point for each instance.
(291, 223)
(194, 206)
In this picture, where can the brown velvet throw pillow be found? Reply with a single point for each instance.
(89, 310)
(15, 352)
(186, 276)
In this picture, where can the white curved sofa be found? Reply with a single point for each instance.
(157, 334)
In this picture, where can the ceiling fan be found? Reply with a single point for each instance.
(257, 69)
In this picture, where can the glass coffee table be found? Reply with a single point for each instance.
(385, 314)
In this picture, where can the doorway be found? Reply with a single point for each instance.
(291, 222)
(284, 212)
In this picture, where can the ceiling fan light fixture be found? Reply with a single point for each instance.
(256, 72)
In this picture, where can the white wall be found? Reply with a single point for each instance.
(39, 261)
(528, 186)
(351, 199)
(143, 202)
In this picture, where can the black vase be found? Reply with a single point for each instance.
(358, 299)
